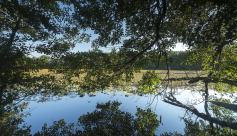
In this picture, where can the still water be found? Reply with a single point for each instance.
(171, 117)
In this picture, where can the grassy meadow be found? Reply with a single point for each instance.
(137, 76)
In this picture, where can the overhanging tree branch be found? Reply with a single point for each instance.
(204, 79)
(201, 115)
(9, 44)
(157, 35)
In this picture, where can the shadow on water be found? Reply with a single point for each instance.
(175, 109)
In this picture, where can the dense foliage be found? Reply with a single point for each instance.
(141, 34)
(25, 23)
(146, 32)
(176, 61)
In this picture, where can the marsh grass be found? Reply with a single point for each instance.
(137, 76)
(61, 86)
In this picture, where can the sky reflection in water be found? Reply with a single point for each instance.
(71, 107)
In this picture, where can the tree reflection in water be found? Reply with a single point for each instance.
(222, 117)
(109, 119)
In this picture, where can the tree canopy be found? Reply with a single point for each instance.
(148, 29)
(32, 21)
(138, 31)
(144, 31)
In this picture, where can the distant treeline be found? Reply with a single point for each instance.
(176, 58)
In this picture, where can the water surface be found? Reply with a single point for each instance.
(72, 106)
(178, 109)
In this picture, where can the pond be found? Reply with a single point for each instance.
(173, 110)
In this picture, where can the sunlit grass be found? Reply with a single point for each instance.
(60, 84)
(137, 76)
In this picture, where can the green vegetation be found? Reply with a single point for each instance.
(151, 29)
(175, 62)
(107, 119)
(145, 31)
